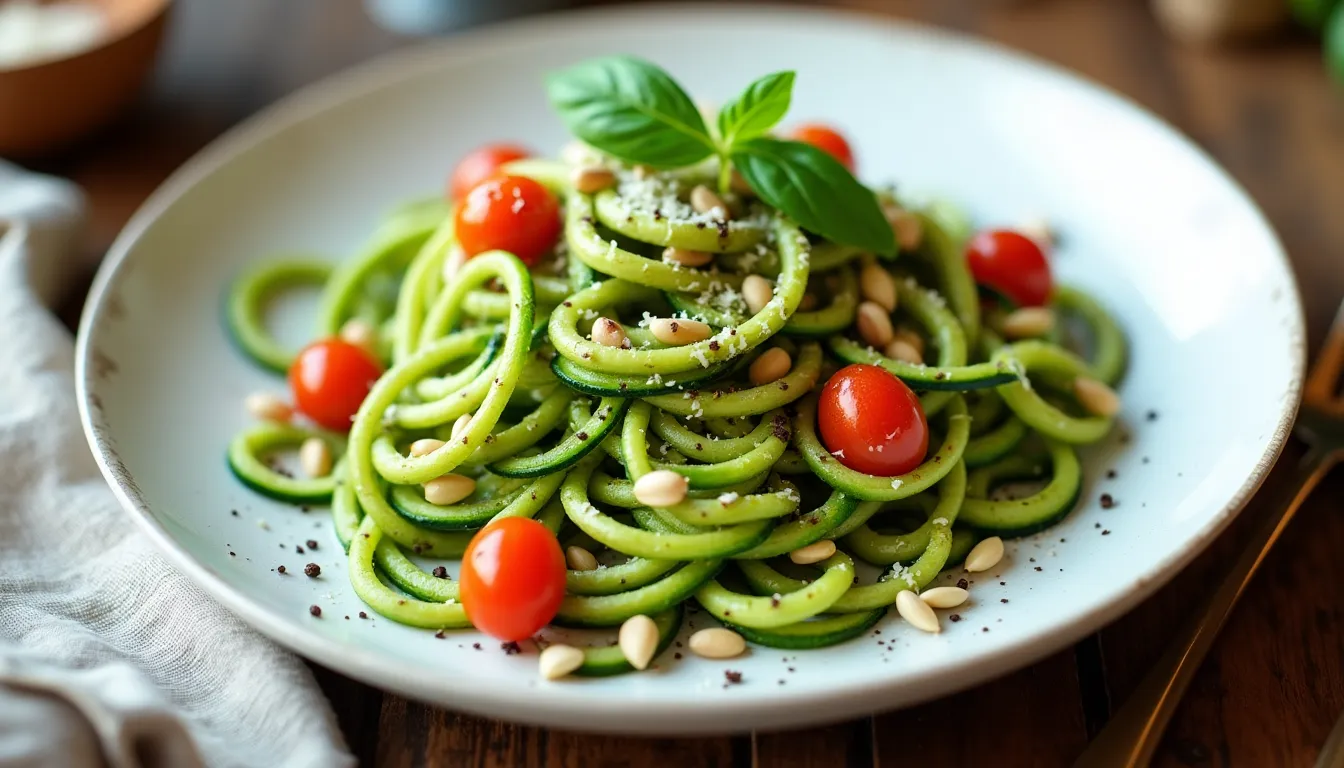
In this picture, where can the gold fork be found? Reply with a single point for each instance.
(1132, 735)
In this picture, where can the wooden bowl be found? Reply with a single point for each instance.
(53, 102)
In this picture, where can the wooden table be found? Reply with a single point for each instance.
(1275, 682)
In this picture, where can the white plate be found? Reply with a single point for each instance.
(1151, 225)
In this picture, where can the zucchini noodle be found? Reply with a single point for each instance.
(560, 427)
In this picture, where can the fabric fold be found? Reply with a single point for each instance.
(107, 655)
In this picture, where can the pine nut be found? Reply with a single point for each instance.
(757, 291)
(580, 559)
(608, 332)
(686, 258)
(638, 639)
(984, 555)
(426, 445)
(874, 325)
(460, 426)
(808, 303)
(661, 488)
(559, 660)
(703, 200)
(1095, 397)
(910, 337)
(449, 489)
(677, 331)
(361, 334)
(642, 172)
(591, 179)
(917, 612)
(813, 553)
(771, 366)
(717, 643)
(1028, 323)
(315, 457)
(876, 285)
(900, 349)
(944, 597)
(268, 407)
(1038, 229)
(907, 226)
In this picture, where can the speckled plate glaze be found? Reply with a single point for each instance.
(1149, 223)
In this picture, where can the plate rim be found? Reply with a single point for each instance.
(719, 715)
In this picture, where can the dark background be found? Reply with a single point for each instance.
(1274, 683)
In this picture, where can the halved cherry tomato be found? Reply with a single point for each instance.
(482, 164)
(513, 578)
(1012, 264)
(828, 140)
(329, 379)
(872, 422)
(511, 213)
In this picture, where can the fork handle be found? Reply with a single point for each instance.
(1133, 733)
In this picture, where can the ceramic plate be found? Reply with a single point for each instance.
(1147, 222)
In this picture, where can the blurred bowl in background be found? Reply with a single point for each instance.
(51, 102)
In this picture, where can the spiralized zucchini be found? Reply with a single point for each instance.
(560, 427)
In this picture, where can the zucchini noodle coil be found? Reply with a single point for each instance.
(494, 372)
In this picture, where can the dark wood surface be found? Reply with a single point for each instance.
(1274, 683)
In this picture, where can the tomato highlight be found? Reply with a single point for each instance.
(329, 380)
(872, 422)
(481, 164)
(509, 213)
(1011, 264)
(512, 578)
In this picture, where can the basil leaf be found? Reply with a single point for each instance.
(757, 109)
(816, 191)
(631, 109)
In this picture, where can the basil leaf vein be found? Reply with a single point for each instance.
(631, 109)
(816, 191)
(757, 109)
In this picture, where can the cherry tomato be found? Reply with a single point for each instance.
(511, 213)
(482, 164)
(330, 379)
(513, 578)
(1012, 264)
(872, 422)
(827, 139)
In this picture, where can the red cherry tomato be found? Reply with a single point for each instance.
(828, 140)
(872, 422)
(330, 379)
(482, 164)
(511, 213)
(513, 578)
(1012, 264)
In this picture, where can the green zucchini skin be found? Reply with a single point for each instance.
(604, 662)
(243, 461)
(572, 448)
(495, 360)
(661, 595)
(244, 307)
(819, 633)
(1022, 517)
(598, 384)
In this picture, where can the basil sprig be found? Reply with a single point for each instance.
(816, 191)
(757, 109)
(633, 110)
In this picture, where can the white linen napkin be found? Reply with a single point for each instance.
(107, 655)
